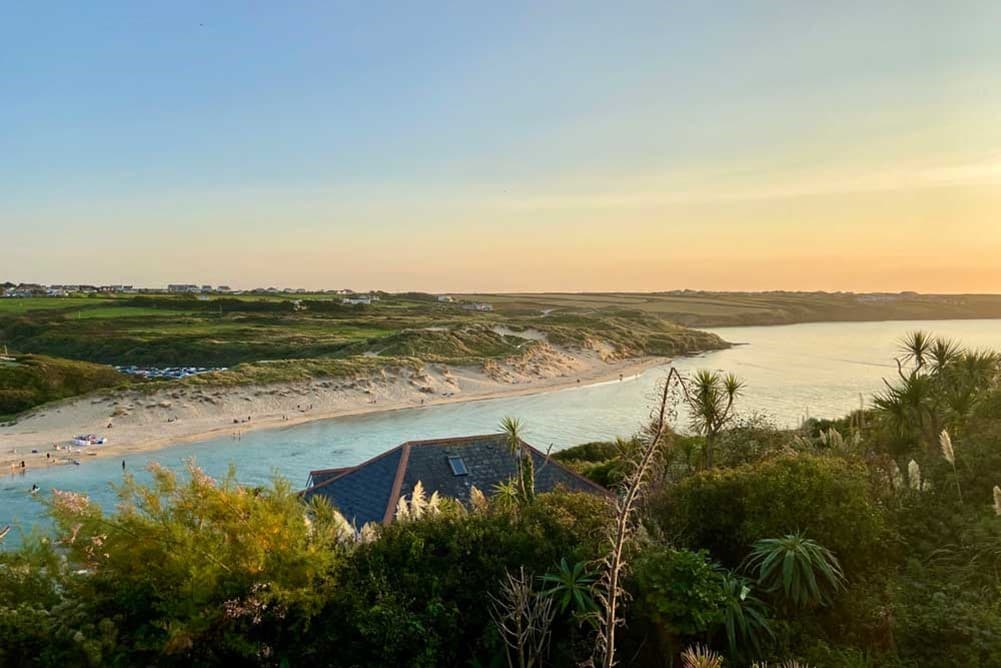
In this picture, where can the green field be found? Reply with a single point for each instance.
(716, 309)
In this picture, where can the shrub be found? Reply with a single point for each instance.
(727, 510)
(418, 595)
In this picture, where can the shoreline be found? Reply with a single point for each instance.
(375, 395)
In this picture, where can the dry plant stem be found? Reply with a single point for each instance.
(523, 619)
(614, 563)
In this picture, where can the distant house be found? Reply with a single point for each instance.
(478, 306)
(445, 298)
(26, 290)
(182, 287)
(369, 492)
(357, 299)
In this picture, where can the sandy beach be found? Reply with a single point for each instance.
(135, 421)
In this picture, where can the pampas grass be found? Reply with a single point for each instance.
(897, 477)
(950, 456)
(946, 442)
(477, 499)
(419, 505)
(914, 475)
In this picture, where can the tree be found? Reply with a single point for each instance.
(525, 476)
(710, 396)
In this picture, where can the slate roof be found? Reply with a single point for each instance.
(370, 491)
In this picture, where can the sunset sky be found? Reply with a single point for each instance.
(477, 146)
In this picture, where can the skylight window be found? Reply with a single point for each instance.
(458, 466)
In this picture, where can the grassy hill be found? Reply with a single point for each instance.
(718, 309)
(36, 379)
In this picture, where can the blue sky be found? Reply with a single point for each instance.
(494, 146)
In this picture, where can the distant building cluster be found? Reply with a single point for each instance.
(347, 297)
(57, 290)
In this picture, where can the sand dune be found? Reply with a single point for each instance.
(143, 421)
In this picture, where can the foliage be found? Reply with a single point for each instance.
(709, 396)
(679, 590)
(35, 379)
(571, 587)
(939, 386)
(416, 594)
(745, 617)
(802, 570)
(700, 656)
(726, 510)
(941, 620)
(606, 463)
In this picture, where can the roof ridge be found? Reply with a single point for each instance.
(354, 468)
(452, 439)
(394, 491)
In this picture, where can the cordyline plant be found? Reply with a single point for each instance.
(709, 396)
(609, 589)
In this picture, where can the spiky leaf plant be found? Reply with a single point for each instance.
(802, 570)
(571, 587)
(700, 656)
(744, 616)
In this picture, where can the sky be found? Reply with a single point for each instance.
(473, 146)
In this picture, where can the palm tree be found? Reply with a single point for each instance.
(943, 353)
(512, 428)
(710, 396)
(917, 347)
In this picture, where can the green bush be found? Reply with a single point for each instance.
(941, 621)
(827, 498)
(419, 595)
(35, 379)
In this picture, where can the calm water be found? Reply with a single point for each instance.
(791, 371)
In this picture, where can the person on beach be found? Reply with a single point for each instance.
(123, 464)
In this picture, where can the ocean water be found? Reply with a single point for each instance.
(793, 371)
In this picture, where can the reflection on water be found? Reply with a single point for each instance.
(790, 372)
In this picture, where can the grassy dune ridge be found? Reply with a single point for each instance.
(36, 379)
(267, 339)
(276, 338)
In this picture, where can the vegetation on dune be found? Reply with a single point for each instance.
(184, 331)
(293, 370)
(262, 340)
(32, 380)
